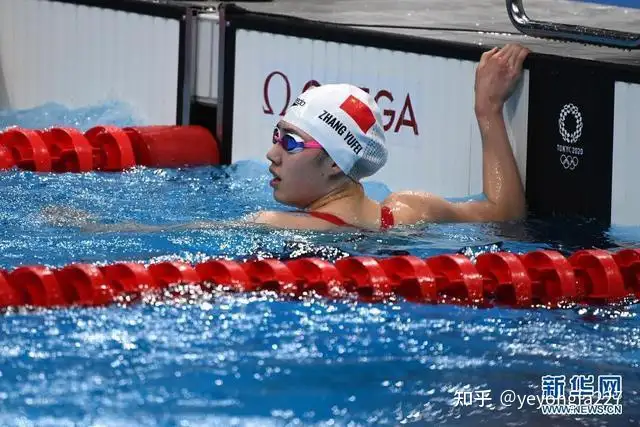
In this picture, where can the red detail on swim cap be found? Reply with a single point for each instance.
(359, 112)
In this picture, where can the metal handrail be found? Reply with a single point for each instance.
(567, 32)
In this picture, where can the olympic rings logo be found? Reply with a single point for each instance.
(569, 162)
(572, 137)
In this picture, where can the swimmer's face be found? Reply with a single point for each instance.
(300, 178)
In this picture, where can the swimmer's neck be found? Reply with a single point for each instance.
(352, 193)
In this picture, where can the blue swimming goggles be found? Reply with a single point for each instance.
(292, 142)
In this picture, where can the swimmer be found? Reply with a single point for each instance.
(332, 137)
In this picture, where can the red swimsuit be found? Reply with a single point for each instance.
(386, 218)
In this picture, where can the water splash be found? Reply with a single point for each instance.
(54, 114)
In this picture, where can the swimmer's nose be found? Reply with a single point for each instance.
(275, 153)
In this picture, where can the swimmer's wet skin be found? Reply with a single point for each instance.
(332, 137)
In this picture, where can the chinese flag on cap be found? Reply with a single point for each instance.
(359, 112)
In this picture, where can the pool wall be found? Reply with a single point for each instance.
(572, 120)
(561, 116)
(78, 54)
(625, 194)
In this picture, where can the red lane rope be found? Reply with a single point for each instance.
(538, 278)
(107, 148)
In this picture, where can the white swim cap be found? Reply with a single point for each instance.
(347, 122)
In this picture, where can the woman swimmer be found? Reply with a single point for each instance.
(332, 137)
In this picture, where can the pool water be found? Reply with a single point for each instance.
(209, 360)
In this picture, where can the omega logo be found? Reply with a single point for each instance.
(393, 120)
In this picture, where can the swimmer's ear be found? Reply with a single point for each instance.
(335, 169)
(325, 160)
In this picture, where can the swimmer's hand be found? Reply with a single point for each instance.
(496, 76)
(124, 227)
(64, 216)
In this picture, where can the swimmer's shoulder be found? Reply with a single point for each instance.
(295, 220)
(412, 207)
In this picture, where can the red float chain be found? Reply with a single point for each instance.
(107, 148)
(539, 278)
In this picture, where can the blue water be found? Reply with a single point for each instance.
(208, 360)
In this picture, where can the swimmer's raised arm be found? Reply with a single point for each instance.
(496, 74)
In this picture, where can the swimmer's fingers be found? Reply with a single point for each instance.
(488, 55)
(515, 55)
(512, 55)
(506, 51)
(521, 55)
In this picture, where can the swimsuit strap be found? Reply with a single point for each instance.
(329, 218)
(386, 218)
